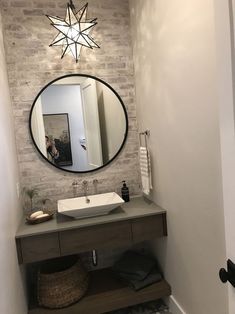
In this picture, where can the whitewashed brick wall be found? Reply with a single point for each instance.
(32, 64)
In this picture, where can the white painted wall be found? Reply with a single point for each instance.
(225, 17)
(67, 99)
(113, 119)
(12, 298)
(114, 112)
(177, 80)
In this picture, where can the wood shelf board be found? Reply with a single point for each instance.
(106, 293)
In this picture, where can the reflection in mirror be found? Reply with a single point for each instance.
(78, 123)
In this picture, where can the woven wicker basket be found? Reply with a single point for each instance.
(62, 282)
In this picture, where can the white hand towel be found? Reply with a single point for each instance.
(145, 170)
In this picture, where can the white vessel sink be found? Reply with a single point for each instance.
(100, 204)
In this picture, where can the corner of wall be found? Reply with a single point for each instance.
(174, 306)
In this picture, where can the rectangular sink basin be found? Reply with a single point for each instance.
(99, 205)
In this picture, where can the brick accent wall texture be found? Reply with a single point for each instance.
(32, 64)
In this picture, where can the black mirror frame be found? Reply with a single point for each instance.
(107, 85)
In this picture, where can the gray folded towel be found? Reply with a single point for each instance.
(137, 270)
(153, 277)
(134, 265)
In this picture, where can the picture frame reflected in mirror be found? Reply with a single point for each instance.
(57, 136)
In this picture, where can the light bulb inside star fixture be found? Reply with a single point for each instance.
(74, 31)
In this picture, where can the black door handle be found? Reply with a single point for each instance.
(229, 275)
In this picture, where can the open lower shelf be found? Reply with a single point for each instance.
(106, 294)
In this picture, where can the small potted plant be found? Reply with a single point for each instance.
(44, 200)
(31, 194)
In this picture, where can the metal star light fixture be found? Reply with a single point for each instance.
(74, 31)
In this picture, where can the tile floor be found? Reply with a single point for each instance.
(155, 307)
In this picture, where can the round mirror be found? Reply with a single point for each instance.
(78, 123)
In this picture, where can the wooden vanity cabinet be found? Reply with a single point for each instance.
(41, 247)
(135, 222)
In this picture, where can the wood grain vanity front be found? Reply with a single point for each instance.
(97, 237)
(148, 228)
(40, 247)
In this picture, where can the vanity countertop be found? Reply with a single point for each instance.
(137, 207)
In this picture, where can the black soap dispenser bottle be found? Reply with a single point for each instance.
(125, 192)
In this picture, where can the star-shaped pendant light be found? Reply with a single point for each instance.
(74, 31)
